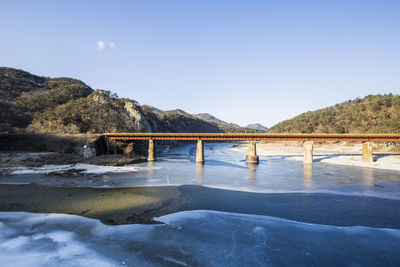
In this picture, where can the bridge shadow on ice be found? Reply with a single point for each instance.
(220, 163)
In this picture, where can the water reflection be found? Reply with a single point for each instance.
(106, 178)
(307, 175)
(252, 173)
(199, 172)
(150, 170)
(368, 176)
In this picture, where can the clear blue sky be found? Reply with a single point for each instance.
(242, 61)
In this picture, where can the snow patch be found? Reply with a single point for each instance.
(88, 169)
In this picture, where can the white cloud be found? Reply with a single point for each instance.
(100, 45)
(112, 45)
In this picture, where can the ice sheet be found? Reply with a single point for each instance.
(190, 238)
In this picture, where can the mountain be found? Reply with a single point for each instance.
(257, 126)
(34, 104)
(371, 114)
(209, 117)
(225, 126)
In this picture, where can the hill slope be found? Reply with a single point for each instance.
(29, 103)
(371, 114)
(23, 94)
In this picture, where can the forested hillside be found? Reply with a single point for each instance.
(371, 114)
(29, 103)
(22, 95)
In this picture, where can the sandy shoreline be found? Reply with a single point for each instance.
(341, 154)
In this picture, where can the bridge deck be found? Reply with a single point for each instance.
(255, 137)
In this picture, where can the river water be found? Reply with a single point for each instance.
(207, 238)
(225, 168)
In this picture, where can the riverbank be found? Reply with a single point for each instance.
(333, 153)
(142, 204)
(36, 159)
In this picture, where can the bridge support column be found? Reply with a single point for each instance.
(252, 153)
(151, 152)
(308, 147)
(200, 152)
(367, 154)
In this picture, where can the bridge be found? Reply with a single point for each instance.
(252, 157)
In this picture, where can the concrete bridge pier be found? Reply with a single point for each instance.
(200, 152)
(252, 153)
(367, 154)
(308, 147)
(151, 156)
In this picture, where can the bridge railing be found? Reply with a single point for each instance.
(256, 137)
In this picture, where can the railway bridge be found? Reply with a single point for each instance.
(252, 157)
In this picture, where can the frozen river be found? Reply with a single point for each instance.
(206, 237)
(226, 168)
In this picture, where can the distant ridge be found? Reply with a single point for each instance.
(225, 126)
(371, 114)
(257, 126)
(209, 117)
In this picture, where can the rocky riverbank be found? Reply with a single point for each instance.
(11, 161)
